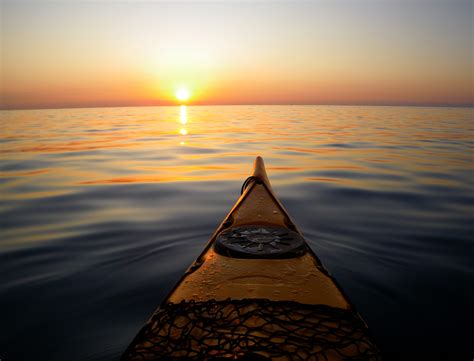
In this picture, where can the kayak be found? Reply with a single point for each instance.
(256, 292)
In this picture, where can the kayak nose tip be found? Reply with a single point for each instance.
(259, 164)
(259, 171)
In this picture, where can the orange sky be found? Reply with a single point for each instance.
(77, 54)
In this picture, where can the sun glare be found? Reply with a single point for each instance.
(182, 94)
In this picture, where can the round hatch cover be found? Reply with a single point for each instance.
(260, 242)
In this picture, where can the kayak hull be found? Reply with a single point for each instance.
(257, 291)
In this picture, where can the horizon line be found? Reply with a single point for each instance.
(91, 106)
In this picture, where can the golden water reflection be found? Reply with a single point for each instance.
(183, 119)
(183, 114)
(363, 147)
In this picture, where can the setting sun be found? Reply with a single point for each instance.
(182, 94)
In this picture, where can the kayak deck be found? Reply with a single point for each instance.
(257, 291)
(253, 329)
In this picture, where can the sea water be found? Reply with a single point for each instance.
(102, 210)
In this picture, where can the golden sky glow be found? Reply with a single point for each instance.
(63, 54)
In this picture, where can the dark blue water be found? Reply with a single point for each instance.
(102, 210)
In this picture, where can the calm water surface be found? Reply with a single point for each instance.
(101, 211)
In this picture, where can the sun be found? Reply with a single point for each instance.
(182, 94)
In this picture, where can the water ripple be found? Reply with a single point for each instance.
(102, 210)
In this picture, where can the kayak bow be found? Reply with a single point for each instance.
(256, 292)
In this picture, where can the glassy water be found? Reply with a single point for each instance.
(102, 210)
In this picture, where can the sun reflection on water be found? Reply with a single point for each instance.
(183, 119)
(183, 114)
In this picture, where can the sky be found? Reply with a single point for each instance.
(379, 52)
